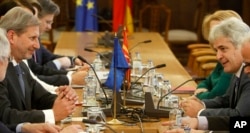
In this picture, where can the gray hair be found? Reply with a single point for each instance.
(18, 20)
(48, 7)
(4, 45)
(232, 28)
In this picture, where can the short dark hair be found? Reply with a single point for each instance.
(48, 7)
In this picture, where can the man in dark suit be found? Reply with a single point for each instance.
(25, 100)
(215, 122)
(43, 56)
(47, 74)
(239, 34)
(226, 41)
(24, 127)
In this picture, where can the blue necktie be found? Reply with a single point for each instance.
(20, 78)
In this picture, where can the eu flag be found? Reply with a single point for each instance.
(84, 19)
(118, 67)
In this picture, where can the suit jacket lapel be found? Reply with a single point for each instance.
(12, 71)
(27, 85)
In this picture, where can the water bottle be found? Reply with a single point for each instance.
(90, 90)
(137, 64)
(175, 115)
(97, 63)
(149, 81)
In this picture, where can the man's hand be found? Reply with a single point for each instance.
(84, 67)
(40, 128)
(78, 62)
(191, 106)
(68, 92)
(185, 121)
(63, 107)
(72, 129)
(78, 77)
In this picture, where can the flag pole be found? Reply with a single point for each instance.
(115, 121)
(128, 72)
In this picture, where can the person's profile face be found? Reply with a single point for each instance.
(229, 56)
(46, 22)
(24, 45)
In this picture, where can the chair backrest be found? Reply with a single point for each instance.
(198, 19)
(155, 18)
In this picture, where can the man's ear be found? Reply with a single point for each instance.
(11, 35)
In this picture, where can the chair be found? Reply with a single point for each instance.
(184, 36)
(155, 18)
(49, 38)
(197, 57)
(207, 68)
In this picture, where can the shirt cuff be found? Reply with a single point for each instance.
(58, 64)
(200, 112)
(19, 128)
(69, 76)
(201, 109)
(49, 116)
(202, 123)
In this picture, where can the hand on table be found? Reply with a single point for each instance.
(191, 106)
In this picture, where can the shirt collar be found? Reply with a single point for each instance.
(238, 73)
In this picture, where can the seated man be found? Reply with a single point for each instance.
(22, 98)
(217, 123)
(226, 38)
(48, 75)
(217, 82)
(25, 127)
(43, 56)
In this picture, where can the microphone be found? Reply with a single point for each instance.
(192, 79)
(95, 122)
(85, 61)
(146, 41)
(155, 67)
(149, 103)
(107, 38)
(108, 62)
(135, 100)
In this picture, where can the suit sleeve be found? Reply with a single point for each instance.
(222, 106)
(49, 75)
(16, 109)
(218, 123)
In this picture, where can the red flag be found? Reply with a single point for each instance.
(126, 55)
(122, 15)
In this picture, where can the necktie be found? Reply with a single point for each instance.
(236, 87)
(34, 56)
(20, 78)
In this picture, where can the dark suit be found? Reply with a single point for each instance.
(4, 129)
(225, 106)
(15, 108)
(49, 75)
(44, 57)
(218, 123)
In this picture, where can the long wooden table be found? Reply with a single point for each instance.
(73, 43)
